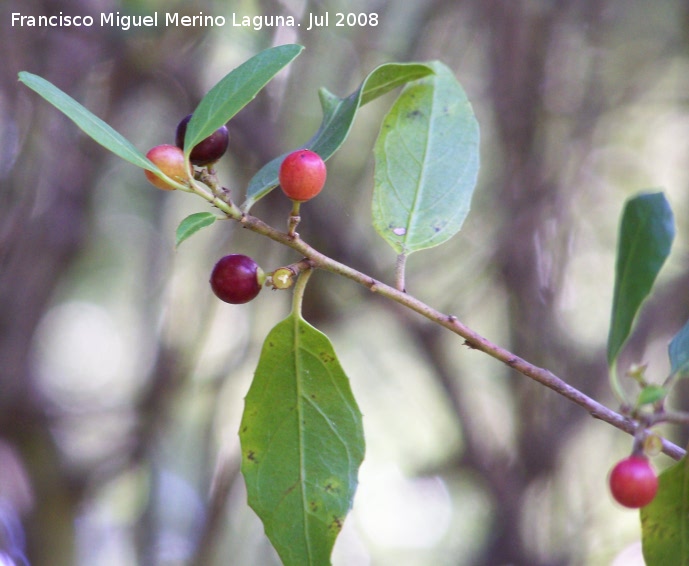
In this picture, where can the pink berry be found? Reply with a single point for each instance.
(302, 175)
(633, 483)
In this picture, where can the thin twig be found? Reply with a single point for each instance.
(471, 338)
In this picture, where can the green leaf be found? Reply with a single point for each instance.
(302, 443)
(427, 161)
(236, 90)
(646, 232)
(679, 352)
(664, 525)
(192, 224)
(338, 117)
(93, 126)
(651, 394)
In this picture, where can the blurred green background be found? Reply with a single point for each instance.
(122, 377)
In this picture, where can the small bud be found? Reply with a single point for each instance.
(653, 445)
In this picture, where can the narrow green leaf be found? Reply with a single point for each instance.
(427, 161)
(338, 117)
(645, 237)
(236, 90)
(192, 224)
(651, 394)
(93, 126)
(679, 352)
(664, 525)
(302, 443)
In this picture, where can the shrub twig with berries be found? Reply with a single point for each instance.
(301, 433)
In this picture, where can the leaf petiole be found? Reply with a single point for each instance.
(400, 273)
(300, 286)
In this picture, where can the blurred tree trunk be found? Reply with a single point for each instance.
(45, 210)
(531, 256)
(47, 181)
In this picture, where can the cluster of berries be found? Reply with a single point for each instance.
(170, 158)
(235, 278)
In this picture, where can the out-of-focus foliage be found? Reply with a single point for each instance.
(122, 378)
(647, 229)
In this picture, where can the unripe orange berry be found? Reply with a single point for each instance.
(170, 160)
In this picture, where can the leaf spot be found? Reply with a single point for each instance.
(326, 357)
(290, 489)
(336, 524)
(332, 486)
(251, 456)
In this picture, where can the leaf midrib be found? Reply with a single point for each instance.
(624, 284)
(300, 423)
(421, 183)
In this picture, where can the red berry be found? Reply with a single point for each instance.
(170, 159)
(236, 279)
(207, 151)
(302, 175)
(633, 482)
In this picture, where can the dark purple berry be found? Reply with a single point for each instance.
(236, 279)
(207, 151)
